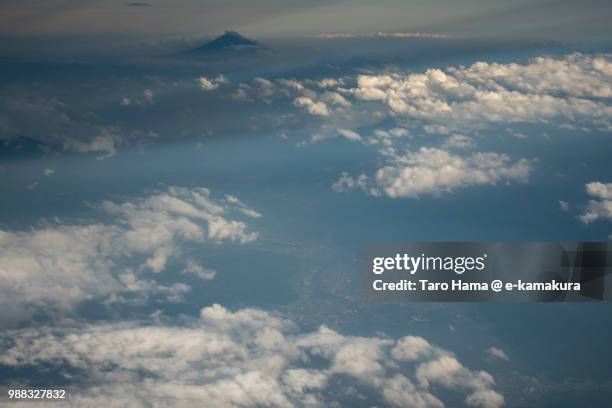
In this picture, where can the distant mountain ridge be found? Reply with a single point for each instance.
(230, 43)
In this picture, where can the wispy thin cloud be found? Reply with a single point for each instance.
(334, 36)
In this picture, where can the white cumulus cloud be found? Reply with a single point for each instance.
(51, 269)
(210, 84)
(497, 353)
(570, 87)
(316, 108)
(246, 357)
(436, 171)
(600, 207)
(349, 134)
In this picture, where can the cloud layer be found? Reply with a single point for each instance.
(55, 267)
(436, 171)
(600, 207)
(467, 98)
(570, 92)
(246, 358)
